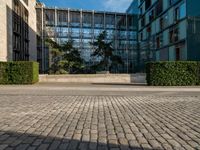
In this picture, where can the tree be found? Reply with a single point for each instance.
(72, 57)
(55, 57)
(64, 58)
(105, 51)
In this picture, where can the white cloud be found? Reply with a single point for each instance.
(117, 5)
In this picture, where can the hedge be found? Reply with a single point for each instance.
(19, 72)
(179, 73)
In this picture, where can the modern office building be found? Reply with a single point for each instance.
(133, 9)
(18, 30)
(83, 27)
(169, 30)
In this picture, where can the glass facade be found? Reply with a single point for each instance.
(134, 56)
(83, 27)
(150, 30)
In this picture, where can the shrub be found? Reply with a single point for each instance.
(19, 72)
(179, 73)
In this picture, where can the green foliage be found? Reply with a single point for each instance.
(19, 72)
(105, 51)
(179, 73)
(55, 59)
(64, 58)
(73, 63)
(52, 43)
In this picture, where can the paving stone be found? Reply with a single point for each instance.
(43, 147)
(99, 122)
(154, 144)
(3, 146)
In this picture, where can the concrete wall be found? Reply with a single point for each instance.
(95, 78)
(6, 30)
(32, 30)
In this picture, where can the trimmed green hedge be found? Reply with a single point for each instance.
(179, 73)
(19, 72)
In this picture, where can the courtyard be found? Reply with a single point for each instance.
(99, 116)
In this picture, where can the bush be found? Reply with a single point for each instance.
(180, 73)
(19, 72)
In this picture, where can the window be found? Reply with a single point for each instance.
(141, 11)
(62, 18)
(49, 14)
(75, 18)
(16, 7)
(99, 20)
(110, 21)
(151, 15)
(87, 19)
(174, 35)
(180, 12)
(159, 7)
(147, 4)
(165, 21)
(25, 16)
(161, 23)
(142, 21)
(159, 41)
(148, 30)
(177, 54)
(20, 32)
(176, 14)
(164, 54)
(141, 36)
(183, 11)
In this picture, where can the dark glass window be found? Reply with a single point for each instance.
(62, 18)
(147, 4)
(20, 32)
(142, 21)
(161, 23)
(174, 35)
(177, 54)
(159, 7)
(50, 17)
(151, 15)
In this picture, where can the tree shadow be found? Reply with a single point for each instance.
(22, 141)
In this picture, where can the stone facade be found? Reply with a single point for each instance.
(32, 30)
(6, 29)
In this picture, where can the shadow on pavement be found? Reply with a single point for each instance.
(23, 141)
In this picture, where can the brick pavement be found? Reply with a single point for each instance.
(99, 122)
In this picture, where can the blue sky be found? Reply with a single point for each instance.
(107, 5)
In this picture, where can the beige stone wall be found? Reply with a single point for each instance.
(5, 30)
(32, 30)
(88, 78)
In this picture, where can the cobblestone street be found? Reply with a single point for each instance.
(99, 122)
